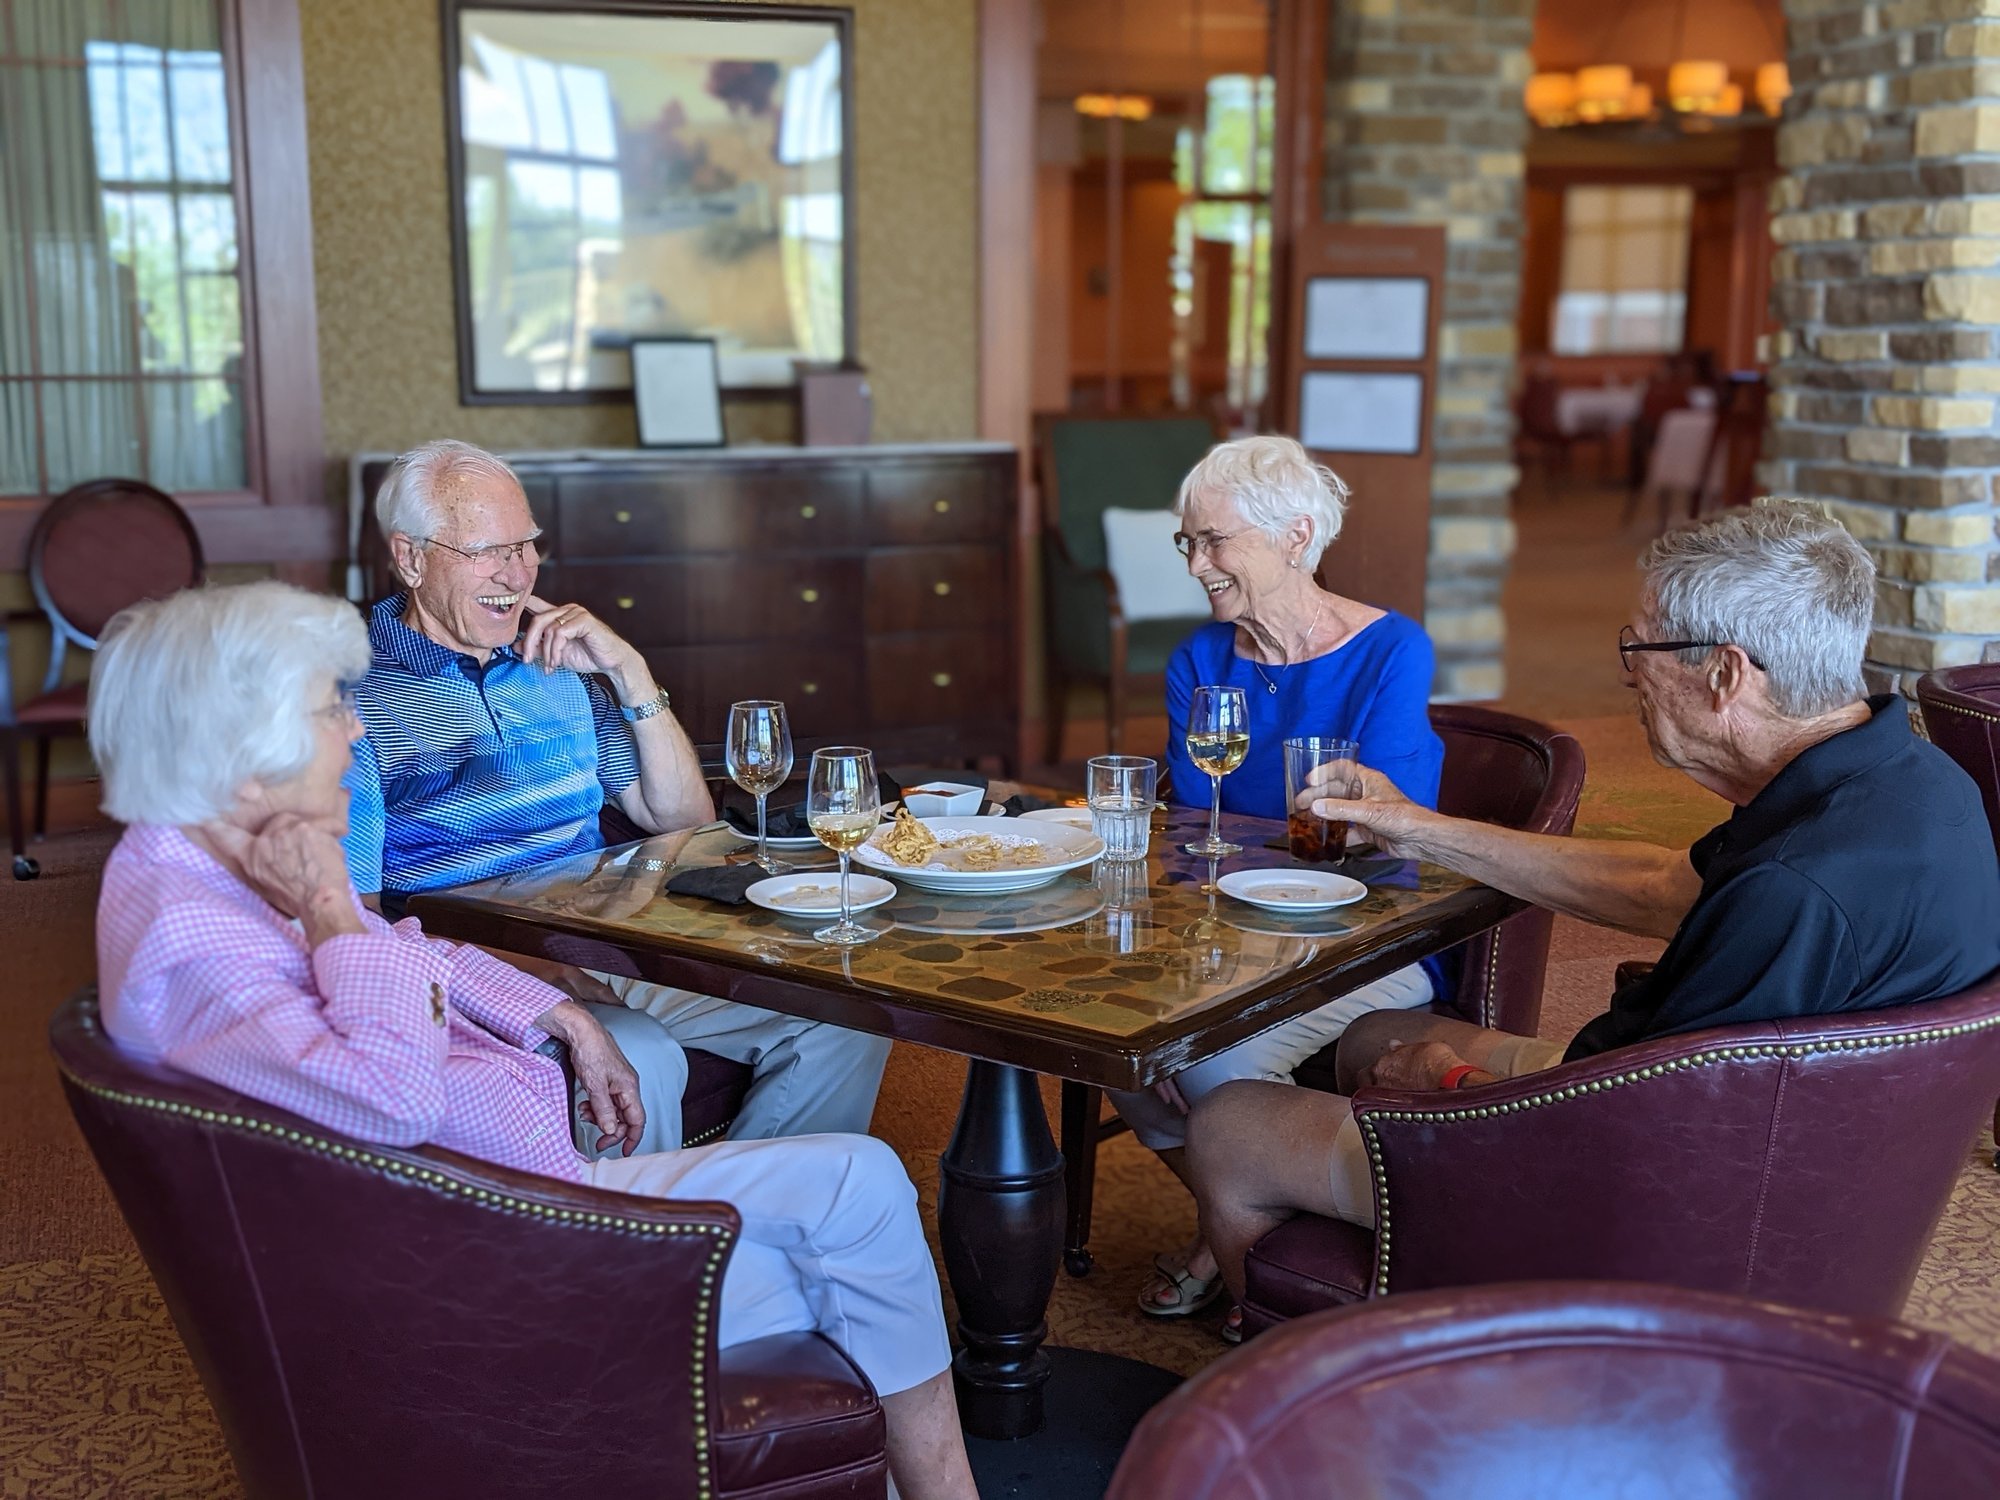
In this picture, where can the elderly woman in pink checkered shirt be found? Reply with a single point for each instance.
(231, 944)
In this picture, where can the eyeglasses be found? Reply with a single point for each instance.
(1203, 541)
(1628, 642)
(344, 707)
(499, 555)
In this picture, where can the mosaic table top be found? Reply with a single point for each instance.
(1116, 974)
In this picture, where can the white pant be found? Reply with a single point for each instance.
(1270, 1054)
(831, 1243)
(811, 1078)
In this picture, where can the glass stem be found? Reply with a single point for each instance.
(763, 855)
(846, 920)
(1215, 813)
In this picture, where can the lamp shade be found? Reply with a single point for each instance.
(1773, 86)
(1550, 97)
(1729, 102)
(1639, 102)
(1695, 86)
(1605, 85)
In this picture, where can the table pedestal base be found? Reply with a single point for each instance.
(1094, 1402)
(1000, 1225)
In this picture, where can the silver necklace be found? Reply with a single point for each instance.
(1304, 646)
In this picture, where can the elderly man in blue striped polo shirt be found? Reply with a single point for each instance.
(493, 743)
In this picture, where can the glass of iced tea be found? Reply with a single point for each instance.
(1317, 766)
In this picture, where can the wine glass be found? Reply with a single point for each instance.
(1218, 737)
(758, 754)
(843, 805)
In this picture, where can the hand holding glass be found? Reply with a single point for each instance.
(1318, 767)
(843, 805)
(758, 755)
(1218, 737)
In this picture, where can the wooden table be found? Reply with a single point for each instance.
(1117, 977)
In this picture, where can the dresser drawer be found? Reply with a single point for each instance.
(936, 588)
(938, 678)
(709, 511)
(917, 503)
(820, 687)
(692, 603)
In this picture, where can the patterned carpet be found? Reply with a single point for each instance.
(98, 1397)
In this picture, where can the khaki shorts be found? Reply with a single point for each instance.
(1354, 1188)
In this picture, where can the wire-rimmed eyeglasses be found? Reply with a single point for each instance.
(500, 554)
(1628, 642)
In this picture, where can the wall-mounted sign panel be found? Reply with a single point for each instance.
(1345, 412)
(1367, 317)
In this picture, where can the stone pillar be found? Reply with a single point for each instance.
(1425, 126)
(1887, 290)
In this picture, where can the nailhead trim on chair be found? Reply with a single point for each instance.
(1970, 713)
(722, 1237)
(1380, 1171)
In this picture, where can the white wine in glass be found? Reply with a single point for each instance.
(1218, 737)
(758, 755)
(843, 806)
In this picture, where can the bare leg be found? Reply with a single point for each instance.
(1200, 1260)
(926, 1450)
(1260, 1153)
(1372, 1035)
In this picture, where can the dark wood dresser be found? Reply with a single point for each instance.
(869, 588)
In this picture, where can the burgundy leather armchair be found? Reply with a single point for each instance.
(1498, 768)
(371, 1322)
(1961, 707)
(1803, 1161)
(1573, 1391)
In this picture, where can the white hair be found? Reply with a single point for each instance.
(407, 499)
(194, 695)
(1782, 581)
(1273, 482)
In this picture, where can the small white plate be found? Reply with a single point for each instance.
(790, 841)
(817, 894)
(1075, 817)
(1292, 890)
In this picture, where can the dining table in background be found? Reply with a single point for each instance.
(1116, 977)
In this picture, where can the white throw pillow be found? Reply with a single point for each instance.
(1153, 581)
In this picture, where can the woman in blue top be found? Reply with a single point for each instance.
(1255, 516)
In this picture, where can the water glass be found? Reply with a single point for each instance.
(1318, 766)
(1121, 790)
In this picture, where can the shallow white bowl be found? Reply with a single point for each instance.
(950, 799)
(1064, 848)
(816, 893)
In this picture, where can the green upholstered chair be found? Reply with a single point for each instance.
(1087, 466)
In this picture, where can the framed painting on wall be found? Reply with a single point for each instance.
(631, 169)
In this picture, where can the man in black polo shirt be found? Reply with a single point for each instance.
(1856, 872)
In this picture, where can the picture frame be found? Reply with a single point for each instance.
(677, 393)
(1367, 317)
(631, 169)
(1348, 411)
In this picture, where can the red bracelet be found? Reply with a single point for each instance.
(1455, 1077)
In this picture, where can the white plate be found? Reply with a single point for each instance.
(817, 894)
(791, 841)
(1063, 848)
(1074, 817)
(1292, 890)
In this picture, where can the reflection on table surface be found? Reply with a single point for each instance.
(1110, 951)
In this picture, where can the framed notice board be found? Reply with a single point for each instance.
(1360, 391)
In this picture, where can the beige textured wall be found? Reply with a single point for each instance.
(382, 237)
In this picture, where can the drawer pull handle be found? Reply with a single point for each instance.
(811, 596)
(940, 588)
(625, 601)
(941, 506)
(622, 517)
(808, 688)
(940, 679)
(808, 511)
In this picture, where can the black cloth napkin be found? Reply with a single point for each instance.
(789, 822)
(1026, 802)
(725, 883)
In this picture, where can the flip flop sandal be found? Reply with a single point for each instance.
(1191, 1294)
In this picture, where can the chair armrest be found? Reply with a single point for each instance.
(8, 619)
(1563, 1174)
(1065, 571)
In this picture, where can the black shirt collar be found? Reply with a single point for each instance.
(1814, 772)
